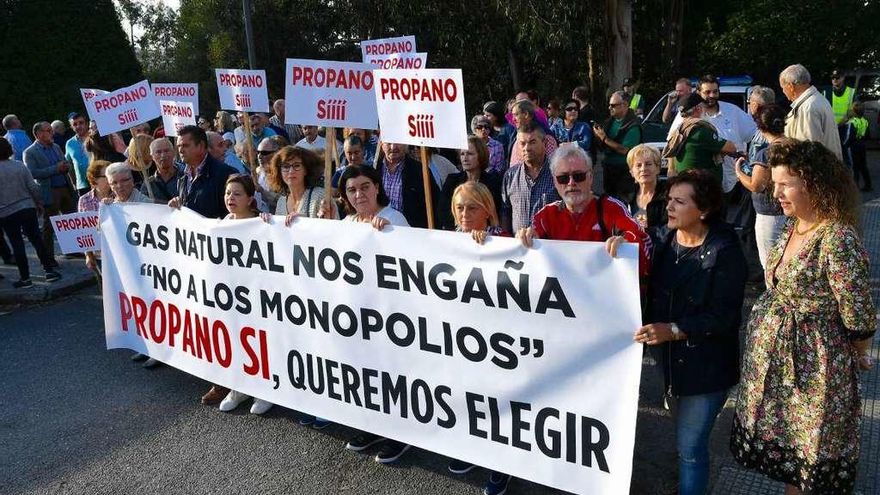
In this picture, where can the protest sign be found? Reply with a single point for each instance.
(88, 95)
(77, 232)
(519, 360)
(124, 108)
(399, 61)
(387, 46)
(242, 90)
(188, 92)
(424, 107)
(330, 94)
(176, 114)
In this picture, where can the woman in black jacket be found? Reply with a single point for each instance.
(694, 308)
(648, 205)
(474, 162)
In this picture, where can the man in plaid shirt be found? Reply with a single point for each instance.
(528, 185)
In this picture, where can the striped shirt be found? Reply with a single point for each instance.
(522, 197)
(497, 164)
(393, 184)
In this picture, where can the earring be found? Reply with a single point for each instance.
(702, 217)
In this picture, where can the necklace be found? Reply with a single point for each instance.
(805, 232)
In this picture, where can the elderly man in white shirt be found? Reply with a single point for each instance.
(811, 117)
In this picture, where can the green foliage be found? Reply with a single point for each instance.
(51, 49)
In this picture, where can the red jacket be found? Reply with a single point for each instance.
(555, 221)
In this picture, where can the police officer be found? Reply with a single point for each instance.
(839, 95)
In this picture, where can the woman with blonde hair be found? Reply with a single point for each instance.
(139, 160)
(648, 206)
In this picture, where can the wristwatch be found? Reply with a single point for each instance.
(676, 332)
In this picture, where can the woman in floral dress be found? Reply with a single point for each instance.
(797, 418)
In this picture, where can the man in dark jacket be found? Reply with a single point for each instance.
(203, 183)
(620, 133)
(404, 185)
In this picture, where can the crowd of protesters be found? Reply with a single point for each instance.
(529, 171)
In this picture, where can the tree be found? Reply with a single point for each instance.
(45, 61)
(618, 22)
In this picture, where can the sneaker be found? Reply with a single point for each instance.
(138, 357)
(232, 400)
(23, 284)
(321, 423)
(52, 276)
(391, 451)
(261, 406)
(215, 395)
(363, 442)
(497, 484)
(306, 420)
(151, 363)
(459, 467)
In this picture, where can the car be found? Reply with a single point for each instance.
(867, 86)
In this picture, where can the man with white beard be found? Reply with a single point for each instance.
(580, 216)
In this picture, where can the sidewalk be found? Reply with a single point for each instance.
(74, 276)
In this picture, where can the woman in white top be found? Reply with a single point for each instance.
(365, 200)
(295, 177)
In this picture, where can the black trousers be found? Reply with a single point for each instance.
(13, 225)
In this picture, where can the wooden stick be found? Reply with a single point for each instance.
(329, 151)
(426, 178)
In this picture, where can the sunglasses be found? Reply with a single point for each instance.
(571, 109)
(266, 152)
(577, 176)
(483, 127)
(613, 105)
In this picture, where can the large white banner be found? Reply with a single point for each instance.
(399, 61)
(519, 360)
(176, 114)
(387, 46)
(422, 107)
(243, 90)
(88, 95)
(124, 108)
(188, 92)
(331, 94)
(77, 232)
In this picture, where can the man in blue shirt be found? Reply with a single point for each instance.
(75, 152)
(47, 165)
(16, 135)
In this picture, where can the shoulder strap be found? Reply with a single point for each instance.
(601, 216)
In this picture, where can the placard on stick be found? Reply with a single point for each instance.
(242, 90)
(125, 108)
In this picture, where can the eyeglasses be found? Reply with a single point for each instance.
(266, 152)
(577, 176)
(613, 105)
(571, 109)
(296, 167)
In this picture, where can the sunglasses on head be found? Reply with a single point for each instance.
(577, 176)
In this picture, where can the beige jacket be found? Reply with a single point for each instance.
(812, 119)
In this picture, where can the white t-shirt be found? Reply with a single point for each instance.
(393, 216)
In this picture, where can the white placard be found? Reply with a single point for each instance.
(331, 94)
(125, 108)
(243, 90)
(406, 61)
(387, 46)
(176, 114)
(519, 360)
(88, 95)
(178, 92)
(77, 232)
(422, 108)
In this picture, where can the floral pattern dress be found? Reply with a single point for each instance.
(798, 413)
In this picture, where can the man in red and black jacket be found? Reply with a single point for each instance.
(580, 216)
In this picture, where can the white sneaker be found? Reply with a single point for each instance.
(261, 406)
(232, 400)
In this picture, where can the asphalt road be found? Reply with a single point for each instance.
(77, 418)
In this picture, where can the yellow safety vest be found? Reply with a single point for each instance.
(634, 104)
(840, 104)
(861, 125)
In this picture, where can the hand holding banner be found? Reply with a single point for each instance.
(242, 90)
(422, 108)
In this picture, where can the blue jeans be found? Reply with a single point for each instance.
(695, 419)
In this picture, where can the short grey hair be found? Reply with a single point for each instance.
(57, 123)
(567, 152)
(9, 121)
(795, 74)
(478, 119)
(213, 136)
(763, 93)
(160, 140)
(623, 96)
(117, 168)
